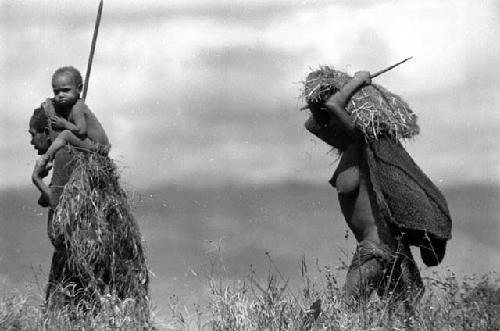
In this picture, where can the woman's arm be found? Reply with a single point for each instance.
(40, 171)
(335, 105)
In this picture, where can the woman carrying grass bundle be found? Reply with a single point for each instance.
(98, 246)
(387, 201)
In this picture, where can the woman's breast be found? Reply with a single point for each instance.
(346, 177)
(347, 181)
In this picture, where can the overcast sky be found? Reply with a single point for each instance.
(207, 91)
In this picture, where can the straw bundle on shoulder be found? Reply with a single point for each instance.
(374, 109)
(94, 223)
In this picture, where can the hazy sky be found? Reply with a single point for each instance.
(207, 91)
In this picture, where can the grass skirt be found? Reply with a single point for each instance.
(94, 225)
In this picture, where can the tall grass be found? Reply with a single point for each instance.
(20, 311)
(449, 303)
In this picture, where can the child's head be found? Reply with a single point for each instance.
(67, 86)
(39, 131)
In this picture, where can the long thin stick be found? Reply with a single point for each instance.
(378, 73)
(92, 50)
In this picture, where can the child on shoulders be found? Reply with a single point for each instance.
(69, 114)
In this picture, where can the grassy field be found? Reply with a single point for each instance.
(196, 289)
(449, 303)
(181, 226)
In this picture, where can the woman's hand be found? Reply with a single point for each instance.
(364, 77)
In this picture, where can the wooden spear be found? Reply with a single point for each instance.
(92, 50)
(378, 73)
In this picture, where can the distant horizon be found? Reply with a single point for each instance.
(229, 182)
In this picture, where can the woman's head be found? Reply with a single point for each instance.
(336, 136)
(39, 131)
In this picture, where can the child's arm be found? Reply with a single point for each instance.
(335, 105)
(78, 128)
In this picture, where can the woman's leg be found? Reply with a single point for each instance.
(362, 280)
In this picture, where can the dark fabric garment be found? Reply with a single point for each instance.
(406, 198)
(401, 194)
(414, 202)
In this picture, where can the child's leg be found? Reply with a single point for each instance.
(67, 137)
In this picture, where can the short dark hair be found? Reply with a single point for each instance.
(77, 77)
(39, 120)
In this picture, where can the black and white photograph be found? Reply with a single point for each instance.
(250, 165)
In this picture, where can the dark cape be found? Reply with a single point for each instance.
(403, 196)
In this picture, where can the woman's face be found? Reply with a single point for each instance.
(337, 137)
(39, 139)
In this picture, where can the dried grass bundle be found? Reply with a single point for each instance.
(375, 110)
(94, 223)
